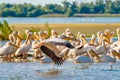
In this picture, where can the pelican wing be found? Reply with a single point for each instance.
(60, 42)
(52, 55)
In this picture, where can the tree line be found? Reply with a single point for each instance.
(67, 8)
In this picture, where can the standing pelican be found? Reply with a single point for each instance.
(103, 58)
(117, 43)
(26, 46)
(37, 52)
(101, 49)
(8, 49)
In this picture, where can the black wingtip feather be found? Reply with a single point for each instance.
(52, 55)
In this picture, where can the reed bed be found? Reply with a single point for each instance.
(86, 28)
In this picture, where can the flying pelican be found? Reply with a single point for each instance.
(51, 51)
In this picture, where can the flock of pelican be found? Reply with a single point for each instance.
(65, 47)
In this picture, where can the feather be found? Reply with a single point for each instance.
(52, 55)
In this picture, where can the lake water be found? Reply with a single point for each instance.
(64, 20)
(31, 69)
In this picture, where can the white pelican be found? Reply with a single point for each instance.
(93, 40)
(117, 43)
(115, 54)
(46, 59)
(97, 58)
(19, 39)
(83, 59)
(26, 46)
(101, 49)
(42, 35)
(109, 34)
(9, 49)
(51, 51)
(37, 52)
(54, 34)
(85, 44)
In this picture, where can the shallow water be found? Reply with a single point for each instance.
(31, 69)
(69, 71)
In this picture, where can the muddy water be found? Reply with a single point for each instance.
(33, 70)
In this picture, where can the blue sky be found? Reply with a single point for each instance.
(42, 2)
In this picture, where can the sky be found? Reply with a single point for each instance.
(41, 2)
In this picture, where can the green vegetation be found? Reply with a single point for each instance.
(66, 9)
(5, 30)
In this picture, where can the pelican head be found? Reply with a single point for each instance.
(20, 36)
(78, 34)
(36, 36)
(69, 34)
(107, 32)
(82, 37)
(67, 30)
(42, 34)
(29, 36)
(54, 33)
(93, 38)
(27, 31)
(118, 30)
(99, 33)
(14, 33)
(105, 38)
